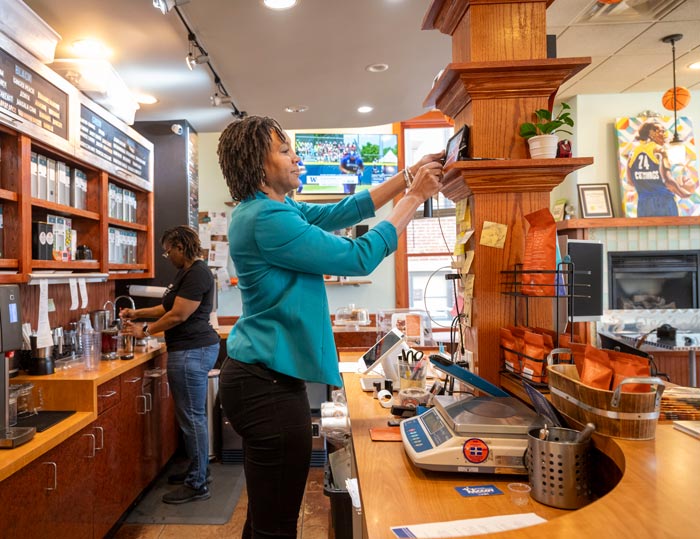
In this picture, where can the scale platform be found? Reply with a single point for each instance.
(473, 435)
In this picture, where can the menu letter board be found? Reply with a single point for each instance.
(32, 97)
(101, 138)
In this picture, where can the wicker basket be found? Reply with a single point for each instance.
(632, 416)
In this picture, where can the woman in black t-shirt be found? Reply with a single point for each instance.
(193, 347)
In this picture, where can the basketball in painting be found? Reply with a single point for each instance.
(682, 98)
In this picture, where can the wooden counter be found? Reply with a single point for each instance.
(70, 389)
(656, 497)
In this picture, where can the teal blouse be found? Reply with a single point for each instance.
(281, 252)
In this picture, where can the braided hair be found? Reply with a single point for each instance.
(242, 149)
(184, 237)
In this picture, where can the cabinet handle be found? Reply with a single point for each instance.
(94, 445)
(55, 476)
(133, 380)
(144, 405)
(107, 395)
(149, 401)
(102, 438)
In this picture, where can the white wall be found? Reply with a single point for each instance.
(213, 193)
(594, 136)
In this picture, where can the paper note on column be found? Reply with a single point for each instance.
(468, 285)
(83, 293)
(43, 332)
(461, 242)
(468, 259)
(73, 285)
(493, 235)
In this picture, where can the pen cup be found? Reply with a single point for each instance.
(412, 374)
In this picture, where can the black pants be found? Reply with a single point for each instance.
(270, 411)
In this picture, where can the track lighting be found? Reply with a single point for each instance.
(166, 5)
(192, 61)
(218, 100)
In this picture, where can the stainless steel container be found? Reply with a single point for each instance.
(559, 468)
(101, 319)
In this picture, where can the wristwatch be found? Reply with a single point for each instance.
(145, 330)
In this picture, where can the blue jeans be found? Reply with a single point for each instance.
(188, 372)
(270, 411)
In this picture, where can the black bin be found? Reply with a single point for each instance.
(341, 506)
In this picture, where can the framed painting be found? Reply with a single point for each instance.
(658, 177)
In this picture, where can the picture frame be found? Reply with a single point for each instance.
(595, 200)
(558, 209)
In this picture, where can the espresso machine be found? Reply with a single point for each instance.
(10, 339)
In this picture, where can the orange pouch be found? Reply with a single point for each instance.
(534, 357)
(510, 358)
(540, 254)
(628, 366)
(596, 371)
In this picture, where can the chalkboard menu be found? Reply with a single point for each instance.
(101, 138)
(32, 97)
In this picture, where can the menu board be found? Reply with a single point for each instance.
(101, 138)
(32, 97)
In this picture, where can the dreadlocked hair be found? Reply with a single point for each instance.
(184, 237)
(242, 149)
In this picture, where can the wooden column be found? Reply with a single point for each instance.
(498, 77)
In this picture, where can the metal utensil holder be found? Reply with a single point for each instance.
(559, 468)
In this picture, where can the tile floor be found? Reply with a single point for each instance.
(314, 519)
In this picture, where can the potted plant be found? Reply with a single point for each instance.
(541, 135)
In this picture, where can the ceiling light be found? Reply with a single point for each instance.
(280, 4)
(672, 40)
(377, 68)
(145, 99)
(364, 109)
(694, 65)
(218, 100)
(90, 48)
(296, 108)
(166, 5)
(192, 61)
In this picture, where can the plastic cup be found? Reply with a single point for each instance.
(412, 374)
(92, 350)
(519, 493)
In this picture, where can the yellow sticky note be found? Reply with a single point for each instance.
(468, 259)
(467, 312)
(493, 235)
(468, 285)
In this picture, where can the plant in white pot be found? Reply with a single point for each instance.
(542, 135)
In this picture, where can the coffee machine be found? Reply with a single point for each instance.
(10, 339)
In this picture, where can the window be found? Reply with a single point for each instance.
(430, 242)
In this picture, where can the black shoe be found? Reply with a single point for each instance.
(186, 494)
(179, 478)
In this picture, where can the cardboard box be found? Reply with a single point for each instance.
(41, 236)
(35, 174)
(41, 177)
(78, 189)
(51, 180)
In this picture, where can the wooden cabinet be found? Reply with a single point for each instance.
(51, 497)
(22, 205)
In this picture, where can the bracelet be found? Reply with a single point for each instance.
(145, 330)
(407, 178)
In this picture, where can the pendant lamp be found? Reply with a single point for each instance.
(672, 96)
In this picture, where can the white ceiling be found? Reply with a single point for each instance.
(316, 53)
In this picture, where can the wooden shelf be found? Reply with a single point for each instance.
(116, 267)
(129, 275)
(66, 210)
(620, 222)
(127, 224)
(71, 265)
(8, 195)
(9, 263)
(347, 283)
(508, 175)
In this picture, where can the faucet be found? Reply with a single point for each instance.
(131, 301)
(114, 310)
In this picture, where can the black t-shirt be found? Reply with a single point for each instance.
(195, 283)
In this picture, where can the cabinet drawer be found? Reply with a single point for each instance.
(108, 394)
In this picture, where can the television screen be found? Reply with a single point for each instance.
(338, 164)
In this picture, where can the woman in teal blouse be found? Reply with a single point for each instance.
(281, 249)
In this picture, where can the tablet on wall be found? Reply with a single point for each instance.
(384, 346)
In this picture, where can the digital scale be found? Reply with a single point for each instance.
(470, 434)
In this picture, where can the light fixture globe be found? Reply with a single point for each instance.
(674, 90)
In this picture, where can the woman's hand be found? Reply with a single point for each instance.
(129, 328)
(127, 314)
(428, 158)
(427, 181)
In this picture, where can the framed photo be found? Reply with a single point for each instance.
(595, 200)
(558, 209)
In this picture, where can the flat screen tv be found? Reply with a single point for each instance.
(344, 163)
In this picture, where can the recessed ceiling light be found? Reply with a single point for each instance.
(364, 109)
(280, 4)
(694, 65)
(145, 99)
(91, 48)
(377, 68)
(296, 108)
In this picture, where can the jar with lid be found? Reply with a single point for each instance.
(351, 316)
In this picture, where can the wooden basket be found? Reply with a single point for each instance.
(631, 416)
